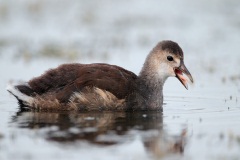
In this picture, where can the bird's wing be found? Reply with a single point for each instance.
(70, 78)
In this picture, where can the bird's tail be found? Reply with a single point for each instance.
(23, 93)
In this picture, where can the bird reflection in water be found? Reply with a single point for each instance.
(104, 128)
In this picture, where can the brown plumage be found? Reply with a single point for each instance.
(69, 78)
(102, 86)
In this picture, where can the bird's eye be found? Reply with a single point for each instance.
(170, 58)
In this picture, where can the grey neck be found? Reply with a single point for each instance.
(151, 88)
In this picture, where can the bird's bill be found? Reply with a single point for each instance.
(182, 69)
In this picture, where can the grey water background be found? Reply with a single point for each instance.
(200, 123)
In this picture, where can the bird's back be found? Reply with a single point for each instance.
(63, 82)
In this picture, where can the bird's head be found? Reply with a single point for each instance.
(167, 60)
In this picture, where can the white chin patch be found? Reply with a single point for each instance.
(165, 71)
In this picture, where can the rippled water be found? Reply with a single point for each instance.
(200, 123)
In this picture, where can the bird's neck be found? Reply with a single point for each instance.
(150, 84)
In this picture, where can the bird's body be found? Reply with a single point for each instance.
(99, 86)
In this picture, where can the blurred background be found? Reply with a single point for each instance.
(122, 32)
(36, 35)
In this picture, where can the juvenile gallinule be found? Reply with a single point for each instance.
(99, 86)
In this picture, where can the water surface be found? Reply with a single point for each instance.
(200, 123)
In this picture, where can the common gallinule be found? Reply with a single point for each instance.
(99, 86)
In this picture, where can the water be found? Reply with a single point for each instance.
(200, 123)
